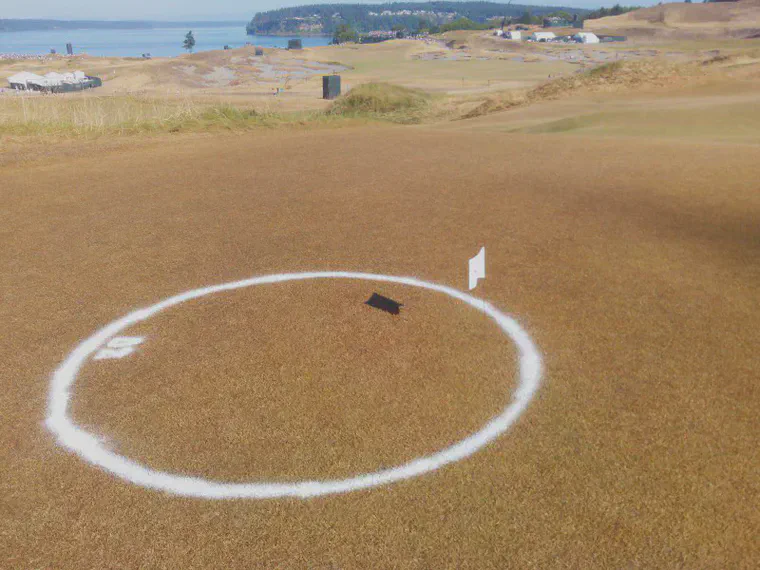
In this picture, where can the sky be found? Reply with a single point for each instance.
(242, 10)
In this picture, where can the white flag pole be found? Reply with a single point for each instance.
(477, 268)
(484, 279)
(483, 249)
(477, 271)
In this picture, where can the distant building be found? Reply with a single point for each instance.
(556, 22)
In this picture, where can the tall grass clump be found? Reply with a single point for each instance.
(383, 100)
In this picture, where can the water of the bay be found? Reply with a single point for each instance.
(159, 42)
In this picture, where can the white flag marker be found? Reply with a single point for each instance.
(477, 268)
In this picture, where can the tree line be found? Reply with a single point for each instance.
(616, 10)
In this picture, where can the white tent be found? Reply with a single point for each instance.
(586, 38)
(543, 36)
(513, 35)
(51, 79)
(24, 78)
(54, 78)
(75, 77)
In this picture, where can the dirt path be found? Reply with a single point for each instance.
(633, 265)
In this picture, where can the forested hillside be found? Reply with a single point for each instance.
(325, 18)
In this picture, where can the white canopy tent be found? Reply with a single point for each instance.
(586, 38)
(544, 36)
(26, 79)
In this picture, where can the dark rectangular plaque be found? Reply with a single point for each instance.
(384, 304)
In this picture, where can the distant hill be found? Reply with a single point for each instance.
(23, 25)
(681, 20)
(324, 18)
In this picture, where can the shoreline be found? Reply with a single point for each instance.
(283, 35)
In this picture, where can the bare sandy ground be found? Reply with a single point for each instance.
(633, 264)
(682, 20)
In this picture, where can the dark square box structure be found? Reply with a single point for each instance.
(330, 86)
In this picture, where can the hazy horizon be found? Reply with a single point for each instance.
(176, 10)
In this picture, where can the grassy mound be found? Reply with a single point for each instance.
(495, 102)
(382, 99)
(610, 77)
(618, 75)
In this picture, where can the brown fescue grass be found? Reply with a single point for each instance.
(72, 116)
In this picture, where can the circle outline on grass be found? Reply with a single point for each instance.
(91, 449)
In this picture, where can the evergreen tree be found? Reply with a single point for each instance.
(189, 42)
(345, 33)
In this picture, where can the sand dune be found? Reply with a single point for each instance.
(735, 19)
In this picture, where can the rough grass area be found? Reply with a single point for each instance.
(383, 99)
(25, 114)
(56, 116)
(33, 115)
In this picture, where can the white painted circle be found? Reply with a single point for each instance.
(89, 448)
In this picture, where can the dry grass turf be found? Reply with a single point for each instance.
(634, 264)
